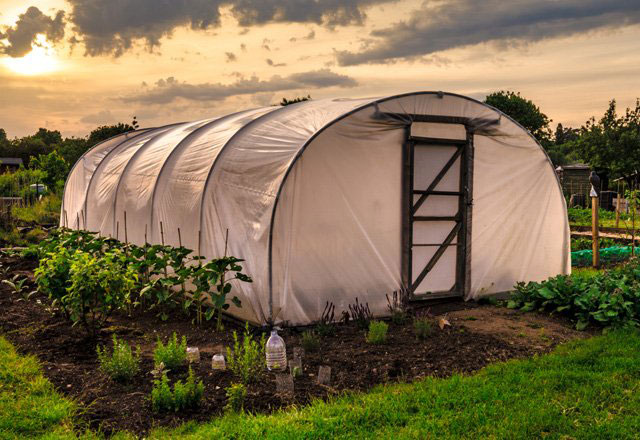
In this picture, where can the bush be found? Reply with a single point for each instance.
(53, 276)
(310, 340)
(607, 299)
(121, 364)
(422, 327)
(236, 394)
(377, 332)
(247, 360)
(172, 355)
(183, 396)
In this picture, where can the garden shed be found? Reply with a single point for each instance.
(430, 193)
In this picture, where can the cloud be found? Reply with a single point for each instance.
(449, 24)
(231, 57)
(23, 33)
(170, 89)
(111, 27)
(272, 64)
(101, 117)
(310, 36)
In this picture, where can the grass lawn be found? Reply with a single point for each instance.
(29, 406)
(585, 389)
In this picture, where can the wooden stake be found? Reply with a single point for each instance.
(126, 236)
(117, 230)
(179, 238)
(77, 221)
(618, 200)
(594, 232)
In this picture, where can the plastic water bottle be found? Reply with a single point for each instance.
(276, 352)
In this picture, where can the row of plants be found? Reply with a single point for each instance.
(89, 277)
(607, 299)
(585, 243)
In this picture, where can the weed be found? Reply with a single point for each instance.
(247, 360)
(122, 364)
(173, 354)
(377, 332)
(236, 395)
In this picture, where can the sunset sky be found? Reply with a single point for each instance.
(72, 65)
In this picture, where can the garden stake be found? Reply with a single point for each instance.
(594, 231)
(180, 244)
(117, 229)
(618, 207)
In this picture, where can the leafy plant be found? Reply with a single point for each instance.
(422, 327)
(607, 299)
(377, 332)
(121, 364)
(236, 395)
(247, 359)
(53, 276)
(361, 314)
(172, 355)
(17, 284)
(310, 340)
(183, 396)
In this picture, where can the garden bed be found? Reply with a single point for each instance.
(478, 335)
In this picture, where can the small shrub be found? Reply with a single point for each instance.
(236, 394)
(173, 354)
(377, 332)
(122, 364)
(247, 360)
(422, 327)
(161, 395)
(183, 396)
(310, 340)
(397, 306)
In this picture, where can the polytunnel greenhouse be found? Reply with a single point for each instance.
(329, 200)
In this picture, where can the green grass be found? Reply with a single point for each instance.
(588, 389)
(29, 406)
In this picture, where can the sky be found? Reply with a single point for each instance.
(72, 65)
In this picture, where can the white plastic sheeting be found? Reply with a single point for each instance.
(311, 195)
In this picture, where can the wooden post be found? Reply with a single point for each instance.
(618, 200)
(594, 232)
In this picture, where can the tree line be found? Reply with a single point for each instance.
(610, 142)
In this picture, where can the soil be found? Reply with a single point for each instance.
(477, 336)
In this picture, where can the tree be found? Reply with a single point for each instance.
(105, 132)
(55, 167)
(286, 101)
(524, 111)
(72, 148)
(613, 142)
(564, 135)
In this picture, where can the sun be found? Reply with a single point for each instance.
(42, 59)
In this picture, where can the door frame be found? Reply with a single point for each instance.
(463, 217)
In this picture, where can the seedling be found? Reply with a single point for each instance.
(121, 364)
(377, 332)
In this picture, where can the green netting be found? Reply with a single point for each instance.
(607, 255)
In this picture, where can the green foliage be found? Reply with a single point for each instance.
(55, 168)
(310, 340)
(247, 359)
(184, 395)
(582, 216)
(172, 355)
(580, 244)
(607, 299)
(522, 110)
(45, 211)
(422, 327)
(105, 132)
(53, 275)
(16, 184)
(98, 287)
(121, 364)
(236, 395)
(377, 332)
(612, 142)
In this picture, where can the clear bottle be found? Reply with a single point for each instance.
(276, 352)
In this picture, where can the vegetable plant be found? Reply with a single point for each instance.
(377, 333)
(247, 359)
(173, 354)
(236, 395)
(122, 363)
